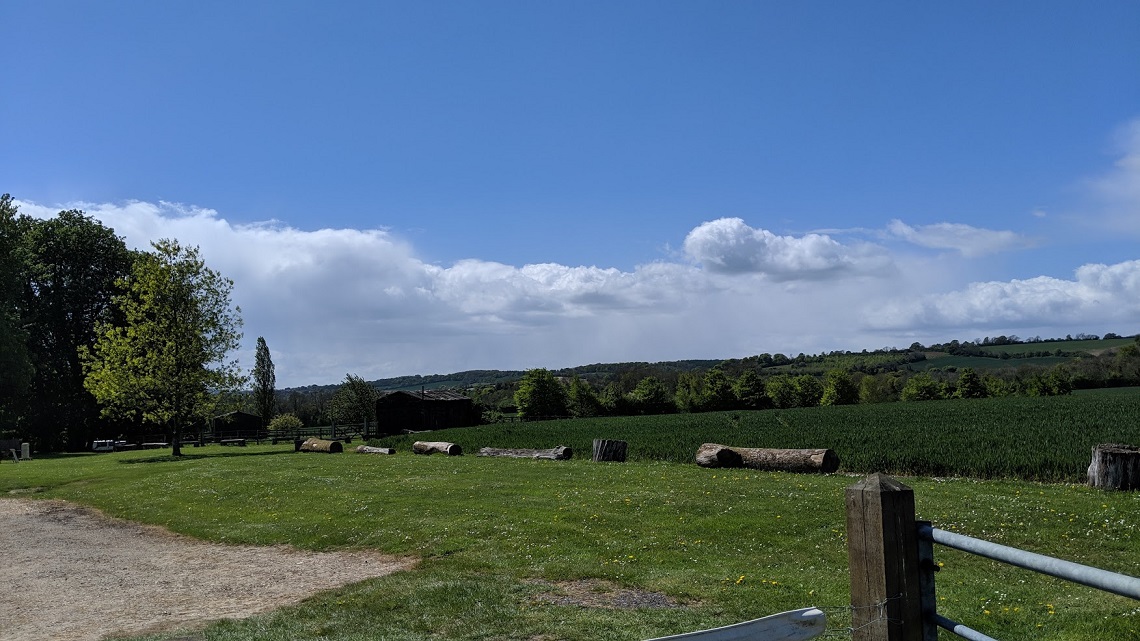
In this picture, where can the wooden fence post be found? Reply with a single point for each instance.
(882, 552)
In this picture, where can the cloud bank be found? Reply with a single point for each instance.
(337, 301)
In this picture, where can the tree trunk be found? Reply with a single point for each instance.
(434, 447)
(1115, 467)
(713, 455)
(607, 450)
(560, 453)
(321, 445)
(821, 461)
(366, 449)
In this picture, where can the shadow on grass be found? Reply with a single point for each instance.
(47, 456)
(168, 458)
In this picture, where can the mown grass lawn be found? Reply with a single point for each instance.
(494, 533)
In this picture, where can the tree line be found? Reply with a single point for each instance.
(542, 394)
(99, 341)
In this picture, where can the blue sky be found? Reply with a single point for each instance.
(425, 187)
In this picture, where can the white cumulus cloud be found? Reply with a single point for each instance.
(1098, 295)
(730, 246)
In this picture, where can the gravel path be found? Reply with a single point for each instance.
(70, 573)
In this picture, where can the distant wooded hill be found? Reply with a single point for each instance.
(985, 353)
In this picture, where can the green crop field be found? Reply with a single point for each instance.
(1088, 346)
(939, 360)
(1044, 439)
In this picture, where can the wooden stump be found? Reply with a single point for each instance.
(366, 449)
(1115, 467)
(560, 453)
(607, 450)
(321, 445)
(436, 447)
(759, 458)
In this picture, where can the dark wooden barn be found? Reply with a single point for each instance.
(423, 410)
(237, 425)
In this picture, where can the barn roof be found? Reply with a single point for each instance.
(430, 395)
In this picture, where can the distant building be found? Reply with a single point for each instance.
(237, 425)
(400, 411)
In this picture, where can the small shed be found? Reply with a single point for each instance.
(237, 425)
(423, 410)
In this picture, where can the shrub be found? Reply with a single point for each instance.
(285, 423)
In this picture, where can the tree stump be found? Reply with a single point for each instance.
(367, 449)
(1115, 467)
(822, 461)
(607, 450)
(560, 453)
(436, 447)
(321, 445)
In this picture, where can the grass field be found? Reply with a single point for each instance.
(1043, 439)
(982, 363)
(495, 533)
(1089, 346)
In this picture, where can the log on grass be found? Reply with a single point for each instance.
(1115, 467)
(437, 447)
(822, 461)
(560, 453)
(368, 449)
(609, 450)
(714, 455)
(321, 445)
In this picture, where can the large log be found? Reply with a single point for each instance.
(560, 453)
(437, 447)
(609, 450)
(713, 455)
(823, 461)
(368, 449)
(321, 445)
(1115, 467)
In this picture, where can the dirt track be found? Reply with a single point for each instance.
(70, 573)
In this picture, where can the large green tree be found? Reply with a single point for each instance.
(15, 365)
(264, 383)
(651, 396)
(540, 395)
(73, 268)
(839, 389)
(354, 401)
(583, 401)
(167, 363)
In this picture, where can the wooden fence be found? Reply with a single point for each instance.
(891, 557)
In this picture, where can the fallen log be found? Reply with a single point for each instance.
(609, 450)
(560, 453)
(822, 461)
(437, 447)
(321, 445)
(1115, 467)
(713, 455)
(368, 449)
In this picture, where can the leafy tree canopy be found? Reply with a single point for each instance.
(167, 362)
(355, 401)
(540, 395)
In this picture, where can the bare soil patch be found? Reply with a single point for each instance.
(71, 573)
(596, 593)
